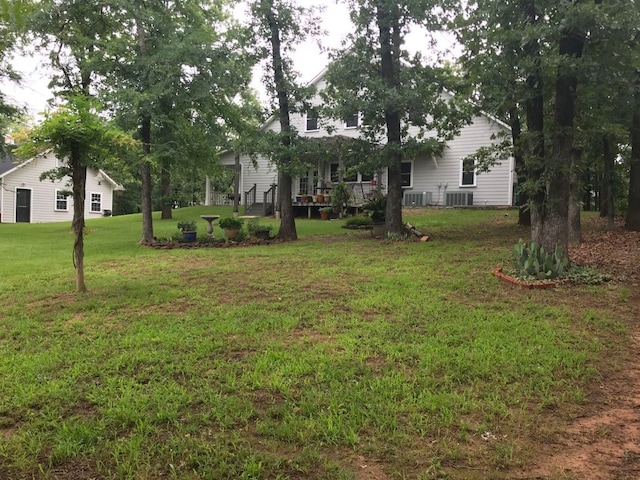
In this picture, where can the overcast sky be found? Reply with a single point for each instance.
(308, 58)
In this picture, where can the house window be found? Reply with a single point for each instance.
(354, 177)
(468, 177)
(352, 121)
(96, 203)
(312, 122)
(62, 201)
(406, 174)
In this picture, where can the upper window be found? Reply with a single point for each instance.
(352, 121)
(96, 203)
(62, 201)
(468, 177)
(406, 173)
(312, 124)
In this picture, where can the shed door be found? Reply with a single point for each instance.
(23, 205)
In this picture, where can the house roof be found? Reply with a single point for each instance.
(6, 162)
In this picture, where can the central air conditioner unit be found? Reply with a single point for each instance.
(459, 199)
(416, 199)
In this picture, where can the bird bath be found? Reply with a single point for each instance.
(210, 219)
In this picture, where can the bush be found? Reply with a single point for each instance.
(187, 226)
(376, 208)
(254, 226)
(231, 223)
(358, 222)
(532, 261)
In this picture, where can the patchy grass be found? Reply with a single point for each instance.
(289, 361)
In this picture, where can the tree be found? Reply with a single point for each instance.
(173, 73)
(279, 25)
(77, 134)
(401, 102)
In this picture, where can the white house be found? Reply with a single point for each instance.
(26, 198)
(438, 181)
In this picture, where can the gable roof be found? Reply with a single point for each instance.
(8, 165)
(6, 162)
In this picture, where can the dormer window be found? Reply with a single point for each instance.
(352, 121)
(312, 124)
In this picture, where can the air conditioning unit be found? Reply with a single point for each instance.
(416, 199)
(459, 199)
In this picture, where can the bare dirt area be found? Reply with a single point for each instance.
(602, 442)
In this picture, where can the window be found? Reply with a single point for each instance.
(96, 203)
(62, 202)
(406, 174)
(468, 177)
(312, 122)
(352, 121)
(354, 177)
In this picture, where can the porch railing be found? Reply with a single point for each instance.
(269, 205)
(250, 198)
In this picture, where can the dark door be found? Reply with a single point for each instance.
(23, 205)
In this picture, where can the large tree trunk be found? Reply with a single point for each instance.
(534, 149)
(79, 181)
(633, 213)
(524, 213)
(287, 229)
(550, 218)
(145, 176)
(575, 200)
(165, 190)
(387, 17)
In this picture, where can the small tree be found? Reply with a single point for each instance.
(78, 135)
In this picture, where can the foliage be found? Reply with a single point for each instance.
(341, 195)
(586, 275)
(359, 221)
(531, 260)
(188, 226)
(376, 208)
(325, 209)
(254, 226)
(231, 223)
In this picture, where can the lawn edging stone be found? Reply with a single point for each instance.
(500, 275)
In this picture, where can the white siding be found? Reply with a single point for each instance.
(492, 188)
(43, 193)
(438, 177)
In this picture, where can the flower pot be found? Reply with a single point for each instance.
(325, 215)
(327, 198)
(314, 198)
(320, 198)
(231, 233)
(189, 236)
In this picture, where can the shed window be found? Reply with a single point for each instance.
(96, 203)
(62, 201)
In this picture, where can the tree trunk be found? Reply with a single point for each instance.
(79, 181)
(550, 217)
(633, 213)
(534, 149)
(145, 176)
(575, 200)
(609, 157)
(165, 190)
(387, 17)
(524, 213)
(287, 229)
(236, 186)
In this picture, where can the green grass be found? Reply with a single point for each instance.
(287, 361)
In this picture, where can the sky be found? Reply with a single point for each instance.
(308, 58)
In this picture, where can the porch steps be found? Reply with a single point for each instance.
(256, 210)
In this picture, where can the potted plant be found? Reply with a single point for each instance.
(376, 208)
(325, 213)
(258, 230)
(189, 230)
(231, 226)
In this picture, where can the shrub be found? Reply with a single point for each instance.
(187, 226)
(531, 260)
(358, 222)
(376, 208)
(254, 226)
(231, 223)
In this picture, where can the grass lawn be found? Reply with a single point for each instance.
(334, 357)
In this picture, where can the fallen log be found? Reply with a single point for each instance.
(414, 231)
